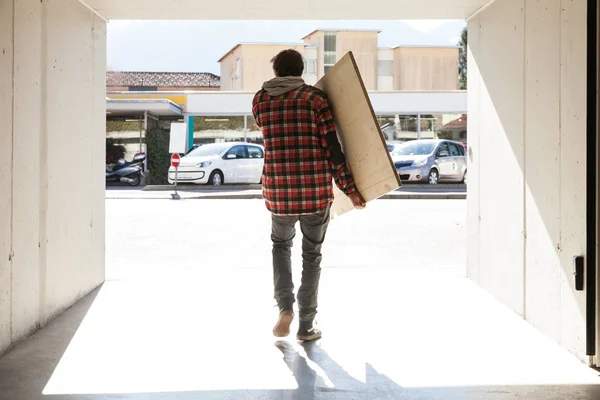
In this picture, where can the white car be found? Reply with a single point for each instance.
(218, 163)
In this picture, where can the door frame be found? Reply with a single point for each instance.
(593, 186)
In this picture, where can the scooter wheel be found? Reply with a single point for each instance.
(137, 179)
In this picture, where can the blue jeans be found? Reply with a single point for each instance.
(314, 228)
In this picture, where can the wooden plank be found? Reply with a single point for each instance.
(359, 134)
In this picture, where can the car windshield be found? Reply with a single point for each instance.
(209, 150)
(414, 149)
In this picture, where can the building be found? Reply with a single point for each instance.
(247, 65)
(532, 206)
(129, 81)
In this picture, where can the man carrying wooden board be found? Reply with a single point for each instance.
(302, 157)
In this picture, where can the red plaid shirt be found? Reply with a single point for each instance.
(302, 154)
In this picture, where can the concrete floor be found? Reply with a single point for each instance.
(186, 313)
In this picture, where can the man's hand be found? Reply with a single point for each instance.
(357, 200)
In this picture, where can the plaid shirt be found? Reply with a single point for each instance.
(302, 153)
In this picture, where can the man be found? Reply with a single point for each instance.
(302, 157)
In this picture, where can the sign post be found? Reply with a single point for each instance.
(175, 163)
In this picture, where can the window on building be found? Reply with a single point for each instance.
(330, 47)
(310, 67)
(385, 68)
(238, 67)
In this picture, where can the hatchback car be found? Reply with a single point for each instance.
(431, 161)
(218, 163)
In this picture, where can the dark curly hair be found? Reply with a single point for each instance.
(288, 63)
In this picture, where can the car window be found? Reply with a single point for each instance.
(208, 150)
(239, 151)
(443, 147)
(454, 152)
(414, 148)
(255, 152)
(461, 150)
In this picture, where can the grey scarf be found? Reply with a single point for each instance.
(281, 85)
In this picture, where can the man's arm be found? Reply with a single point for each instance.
(255, 108)
(337, 161)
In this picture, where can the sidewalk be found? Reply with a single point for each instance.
(416, 192)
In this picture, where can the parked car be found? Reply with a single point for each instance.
(218, 163)
(391, 146)
(431, 161)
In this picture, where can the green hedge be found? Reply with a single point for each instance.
(122, 126)
(159, 159)
(218, 123)
(114, 151)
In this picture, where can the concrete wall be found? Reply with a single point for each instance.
(425, 68)
(257, 67)
(526, 203)
(6, 136)
(52, 201)
(364, 47)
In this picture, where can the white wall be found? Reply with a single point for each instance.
(6, 108)
(385, 83)
(526, 203)
(384, 103)
(52, 194)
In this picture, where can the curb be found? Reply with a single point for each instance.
(183, 188)
(425, 196)
(250, 196)
(234, 187)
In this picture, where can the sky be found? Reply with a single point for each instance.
(196, 46)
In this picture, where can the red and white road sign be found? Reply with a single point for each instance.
(175, 160)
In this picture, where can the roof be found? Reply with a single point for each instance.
(118, 108)
(173, 79)
(460, 122)
(260, 44)
(341, 30)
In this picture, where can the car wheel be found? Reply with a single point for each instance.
(434, 177)
(216, 178)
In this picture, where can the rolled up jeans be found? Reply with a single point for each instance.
(283, 231)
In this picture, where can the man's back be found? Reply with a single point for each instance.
(297, 174)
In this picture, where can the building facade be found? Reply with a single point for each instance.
(246, 66)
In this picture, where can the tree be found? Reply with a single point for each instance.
(462, 60)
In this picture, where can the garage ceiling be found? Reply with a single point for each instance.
(282, 9)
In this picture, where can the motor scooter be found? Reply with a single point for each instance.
(130, 172)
